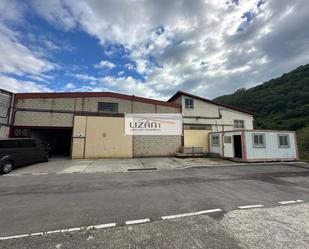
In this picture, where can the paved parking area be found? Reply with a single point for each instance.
(38, 203)
(66, 165)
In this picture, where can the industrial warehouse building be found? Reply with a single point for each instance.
(55, 118)
(91, 124)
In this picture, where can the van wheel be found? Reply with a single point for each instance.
(6, 167)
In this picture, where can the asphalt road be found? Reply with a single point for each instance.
(49, 202)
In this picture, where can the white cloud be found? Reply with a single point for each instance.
(13, 85)
(205, 47)
(86, 77)
(129, 66)
(105, 64)
(69, 86)
(17, 58)
(127, 85)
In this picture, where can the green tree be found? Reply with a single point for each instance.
(303, 143)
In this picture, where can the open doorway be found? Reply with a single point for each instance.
(58, 139)
(237, 146)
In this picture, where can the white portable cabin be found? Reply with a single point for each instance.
(254, 145)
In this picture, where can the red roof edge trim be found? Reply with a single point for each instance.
(95, 94)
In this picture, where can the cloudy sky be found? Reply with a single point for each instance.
(150, 48)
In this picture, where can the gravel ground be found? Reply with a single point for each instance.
(190, 233)
(271, 228)
(279, 227)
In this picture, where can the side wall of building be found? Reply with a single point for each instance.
(5, 109)
(272, 150)
(220, 118)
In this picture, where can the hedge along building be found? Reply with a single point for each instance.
(90, 125)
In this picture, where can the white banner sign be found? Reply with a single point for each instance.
(153, 124)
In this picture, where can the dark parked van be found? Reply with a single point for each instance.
(17, 152)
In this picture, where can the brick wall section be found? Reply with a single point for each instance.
(27, 118)
(4, 132)
(144, 146)
(88, 104)
(5, 103)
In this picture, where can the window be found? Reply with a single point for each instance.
(239, 124)
(283, 140)
(189, 103)
(21, 132)
(107, 107)
(258, 140)
(215, 140)
(227, 139)
(197, 127)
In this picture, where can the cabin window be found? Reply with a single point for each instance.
(215, 141)
(239, 124)
(283, 140)
(227, 139)
(107, 107)
(189, 103)
(259, 140)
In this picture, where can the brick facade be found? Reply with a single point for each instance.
(59, 112)
(5, 104)
(70, 105)
(146, 146)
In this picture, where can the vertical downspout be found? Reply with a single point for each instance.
(296, 146)
(11, 113)
(222, 143)
(132, 110)
(85, 137)
(183, 132)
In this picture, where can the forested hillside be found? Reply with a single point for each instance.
(281, 103)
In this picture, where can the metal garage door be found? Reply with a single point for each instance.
(100, 137)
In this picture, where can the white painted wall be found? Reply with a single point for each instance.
(229, 147)
(215, 149)
(211, 111)
(272, 149)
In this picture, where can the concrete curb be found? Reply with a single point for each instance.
(152, 169)
(293, 164)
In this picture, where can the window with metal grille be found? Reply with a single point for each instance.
(189, 103)
(107, 107)
(227, 139)
(259, 140)
(283, 140)
(21, 132)
(215, 140)
(239, 124)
